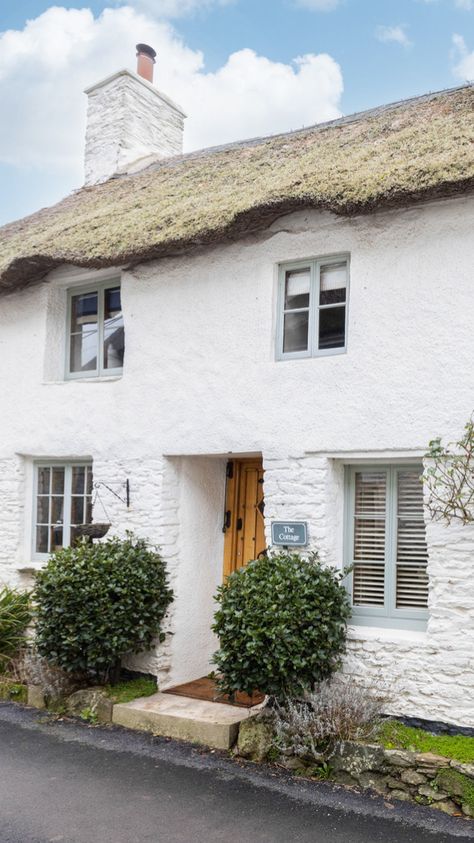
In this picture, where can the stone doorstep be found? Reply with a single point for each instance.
(198, 721)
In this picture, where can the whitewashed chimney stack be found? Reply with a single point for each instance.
(129, 120)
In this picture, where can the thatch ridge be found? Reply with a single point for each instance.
(418, 149)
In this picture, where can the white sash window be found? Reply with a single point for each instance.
(312, 309)
(96, 339)
(62, 502)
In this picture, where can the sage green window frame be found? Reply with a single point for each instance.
(387, 616)
(100, 288)
(314, 265)
(67, 496)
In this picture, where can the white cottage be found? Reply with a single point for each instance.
(196, 346)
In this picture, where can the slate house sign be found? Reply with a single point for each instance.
(289, 533)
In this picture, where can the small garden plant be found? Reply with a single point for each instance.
(15, 615)
(334, 711)
(98, 602)
(281, 623)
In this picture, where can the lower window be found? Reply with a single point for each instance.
(386, 546)
(63, 501)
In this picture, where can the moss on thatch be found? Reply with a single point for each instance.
(414, 150)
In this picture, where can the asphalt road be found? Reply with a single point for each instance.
(62, 782)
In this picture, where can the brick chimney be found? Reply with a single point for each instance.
(128, 119)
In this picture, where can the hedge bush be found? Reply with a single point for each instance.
(281, 624)
(97, 602)
(15, 616)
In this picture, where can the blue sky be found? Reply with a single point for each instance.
(233, 64)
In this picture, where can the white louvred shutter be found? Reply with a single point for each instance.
(412, 554)
(368, 582)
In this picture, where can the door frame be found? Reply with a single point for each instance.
(231, 534)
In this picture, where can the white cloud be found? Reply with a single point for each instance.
(173, 8)
(464, 67)
(317, 5)
(460, 4)
(396, 34)
(45, 67)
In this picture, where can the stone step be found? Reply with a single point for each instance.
(198, 721)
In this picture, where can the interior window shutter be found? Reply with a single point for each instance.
(412, 554)
(368, 587)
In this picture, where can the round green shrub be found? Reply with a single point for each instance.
(281, 624)
(97, 602)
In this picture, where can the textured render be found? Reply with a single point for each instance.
(128, 119)
(201, 382)
(407, 151)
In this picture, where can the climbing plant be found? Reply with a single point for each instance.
(449, 478)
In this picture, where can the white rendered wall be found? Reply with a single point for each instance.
(128, 119)
(200, 378)
(199, 573)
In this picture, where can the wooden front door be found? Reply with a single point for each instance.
(244, 522)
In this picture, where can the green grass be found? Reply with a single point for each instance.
(124, 692)
(394, 735)
(11, 690)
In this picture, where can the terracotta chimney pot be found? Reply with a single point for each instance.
(145, 61)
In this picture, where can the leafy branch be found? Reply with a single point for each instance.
(449, 478)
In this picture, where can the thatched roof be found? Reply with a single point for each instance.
(408, 151)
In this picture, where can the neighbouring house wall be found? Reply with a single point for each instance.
(12, 502)
(200, 379)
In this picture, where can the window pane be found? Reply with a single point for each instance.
(369, 539)
(295, 331)
(58, 481)
(297, 289)
(412, 587)
(370, 493)
(114, 338)
(57, 510)
(41, 539)
(89, 480)
(78, 476)
(333, 282)
(412, 552)
(43, 481)
(368, 585)
(83, 313)
(332, 329)
(84, 351)
(77, 510)
(56, 534)
(42, 510)
(368, 582)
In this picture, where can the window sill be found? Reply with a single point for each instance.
(281, 357)
(357, 632)
(102, 379)
(31, 570)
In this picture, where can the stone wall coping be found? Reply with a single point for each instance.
(407, 758)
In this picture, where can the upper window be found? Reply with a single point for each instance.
(313, 307)
(386, 546)
(96, 340)
(63, 501)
